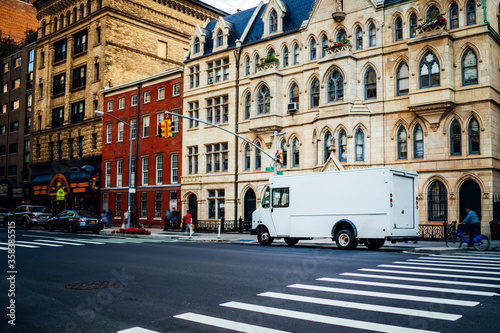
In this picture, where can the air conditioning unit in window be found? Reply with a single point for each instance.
(210, 80)
(293, 107)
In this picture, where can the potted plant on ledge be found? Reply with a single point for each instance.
(432, 24)
(342, 45)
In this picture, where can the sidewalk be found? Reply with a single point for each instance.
(246, 238)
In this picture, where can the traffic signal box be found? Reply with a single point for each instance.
(163, 130)
(166, 129)
(279, 157)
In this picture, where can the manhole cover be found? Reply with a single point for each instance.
(90, 285)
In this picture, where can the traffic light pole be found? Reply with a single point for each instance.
(239, 136)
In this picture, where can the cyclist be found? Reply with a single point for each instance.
(472, 225)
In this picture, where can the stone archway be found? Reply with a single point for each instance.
(470, 196)
(249, 205)
(193, 207)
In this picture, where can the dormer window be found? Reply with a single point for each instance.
(220, 38)
(196, 45)
(273, 22)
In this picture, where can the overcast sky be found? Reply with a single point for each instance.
(232, 5)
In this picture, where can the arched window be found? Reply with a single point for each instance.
(455, 138)
(324, 46)
(370, 84)
(55, 24)
(61, 22)
(82, 11)
(470, 9)
(326, 146)
(372, 35)
(469, 68)
(295, 153)
(220, 38)
(359, 39)
(68, 18)
(335, 87)
(418, 142)
(314, 93)
(196, 45)
(89, 8)
(413, 25)
(312, 49)
(429, 71)
(360, 145)
(264, 102)
(44, 28)
(271, 52)
(285, 56)
(341, 35)
(453, 16)
(247, 65)
(432, 13)
(402, 144)
(437, 202)
(273, 22)
(295, 54)
(398, 29)
(294, 93)
(75, 15)
(402, 79)
(246, 163)
(342, 146)
(284, 153)
(256, 63)
(474, 139)
(258, 157)
(248, 105)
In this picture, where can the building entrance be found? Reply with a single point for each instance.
(470, 196)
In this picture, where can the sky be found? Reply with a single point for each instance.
(230, 6)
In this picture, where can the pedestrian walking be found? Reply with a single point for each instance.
(109, 213)
(189, 226)
(173, 218)
(472, 225)
(104, 218)
(167, 220)
(125, 219)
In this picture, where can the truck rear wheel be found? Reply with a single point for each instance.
(264, 238)
(374, 244)
(291, 241)
(345, 240)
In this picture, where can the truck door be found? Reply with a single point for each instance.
(402, 211)
(280, 211)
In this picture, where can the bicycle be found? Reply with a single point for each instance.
(455, 240)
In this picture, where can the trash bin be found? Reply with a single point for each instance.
(495, 230)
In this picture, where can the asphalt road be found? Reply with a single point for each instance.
(168, 286)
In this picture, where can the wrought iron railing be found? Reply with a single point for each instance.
(436, 231)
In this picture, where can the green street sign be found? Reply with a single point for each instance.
(269, 169)
(280, 173)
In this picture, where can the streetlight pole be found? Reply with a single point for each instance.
(129, 163)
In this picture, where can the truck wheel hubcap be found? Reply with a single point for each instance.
(344, 239)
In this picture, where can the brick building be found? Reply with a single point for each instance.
(16, 109)
(156, 184)
(84, 46)
(21, 18)
(353, 84)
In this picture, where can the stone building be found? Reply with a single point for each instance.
(83, 47)
(352, 84)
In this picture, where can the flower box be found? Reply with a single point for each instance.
(343, 45)
(432, 25)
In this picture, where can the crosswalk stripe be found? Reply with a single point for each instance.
(20, 245)
(4, 248)
(385, 295)
(363, 306)
(57, 242)
(405, 278)
(322, 319)
(81, 241)
(443, 265)
(224, 323)
(44, 244)
(409, 286)
(441, 269)
(443, 261)
(430, 274)
(136, 330)
(475, 257)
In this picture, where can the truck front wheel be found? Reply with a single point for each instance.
(345, 240)
(374, 244)
(264, 238)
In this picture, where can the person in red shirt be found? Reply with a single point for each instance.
(189, 225)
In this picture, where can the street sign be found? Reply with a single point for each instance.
(131, 190)
(280, 173)
(269, 169)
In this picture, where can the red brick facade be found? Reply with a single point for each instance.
(17, 17)
(158, 185)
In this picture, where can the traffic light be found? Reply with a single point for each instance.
(162, 133)
(168, 127)
(279, 157)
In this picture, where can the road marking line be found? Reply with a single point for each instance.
(405, 278)
(223, 323)
(58, 242)
(20, 245)
(25, 242)
(430, 274)
(137, 330)
(475, 257)
(411, 287)
(444, 265)
(81, 241)
(441, 269)
(363, 306)
(453, 261)
(4, 248)
(403, 297)
(322, 319)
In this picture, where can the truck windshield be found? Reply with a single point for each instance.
(265, 199)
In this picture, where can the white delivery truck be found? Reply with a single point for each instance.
(366, 206)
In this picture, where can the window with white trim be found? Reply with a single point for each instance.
(145, 171)
(145, 127)
(107, 181)
(161, 93)
(120, 132)
(174, 169)
(119, 173)
(159, 169)
(109, 131)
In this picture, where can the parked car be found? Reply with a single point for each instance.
(29, 216)
(76, 220)
(3, 213)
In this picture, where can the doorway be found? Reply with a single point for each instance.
(249, 205)
(193, 208)
(470, 196)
